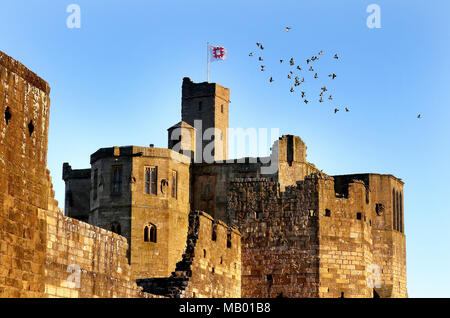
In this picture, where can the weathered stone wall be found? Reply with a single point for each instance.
(38, 243)
(280, 247)
(24, 105)
(83, 261)
(210, 265)
(216, 267)
(319, 239)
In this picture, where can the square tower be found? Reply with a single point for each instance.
(204, 106)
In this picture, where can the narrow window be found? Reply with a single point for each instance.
(358, 216)
(221, 260)
(116, 179)
(153, 233)
(115, 227)
(150, 233)
(7, 115)
(228, 240)
(221, 108)
(401, 213)
(204, 253)
(398, 211)
(30, 127)
(200, 106)
(151, 180)
(269, 277)
(213, 271)
(214, 233)
(342, 295)
(146, 234)
(174, 184)
(327, 213)
(94, 186)
(394, 210)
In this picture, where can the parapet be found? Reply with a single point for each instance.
(21, 70)
(203, 89)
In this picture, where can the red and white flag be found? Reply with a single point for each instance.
(217, 53)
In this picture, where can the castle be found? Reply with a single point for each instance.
(157, 222)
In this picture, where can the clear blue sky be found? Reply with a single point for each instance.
(117, 81)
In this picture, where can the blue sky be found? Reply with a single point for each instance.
(117, 81)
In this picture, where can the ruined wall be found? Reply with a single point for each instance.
(280, 247)
(24, 104)
(210, 265)
(216, 267)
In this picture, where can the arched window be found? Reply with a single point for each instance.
(150, 233)
(115, 227)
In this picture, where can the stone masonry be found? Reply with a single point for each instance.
(157, 222)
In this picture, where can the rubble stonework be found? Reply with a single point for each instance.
(310, 241)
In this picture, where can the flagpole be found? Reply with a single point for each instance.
(207, 62)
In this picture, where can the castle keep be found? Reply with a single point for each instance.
(172, 222)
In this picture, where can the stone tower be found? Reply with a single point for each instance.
(203, 106)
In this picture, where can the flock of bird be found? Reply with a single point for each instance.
(297, 81)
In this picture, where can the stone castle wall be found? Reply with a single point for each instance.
(210, 265)
(38, 243)
(311, 241)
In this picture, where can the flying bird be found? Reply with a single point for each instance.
(288, 28)
(281, 61)
(292, 89)
(271, 79)
(324, 89)
(306, 101)
(333, 76)
(258, 44)
(260, 58)
(261, 47)
(316, 76)
(307, 61)
(336, 56)
(291, 61)
(311, 69)
(347, 110)
(419, 116)
(251, 54)
(330, 97)
(289, 76)
(320, 100)
(321, 52)
(262, 68)
(336, 110)
(299, 68)
(303, 94)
